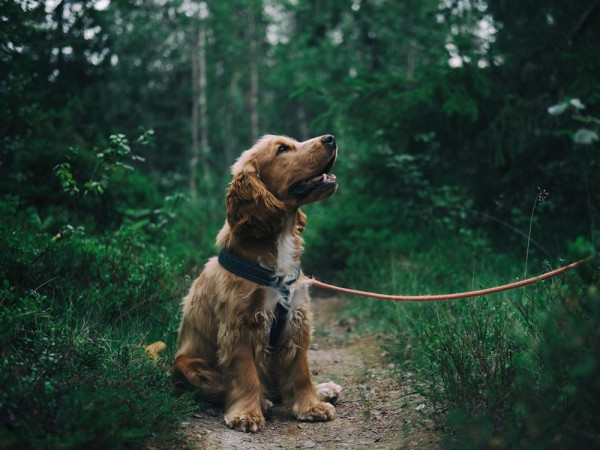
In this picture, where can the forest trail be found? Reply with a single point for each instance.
(375, 409)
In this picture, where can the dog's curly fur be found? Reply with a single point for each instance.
(224, 346)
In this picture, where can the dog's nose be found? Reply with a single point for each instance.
(328, 140)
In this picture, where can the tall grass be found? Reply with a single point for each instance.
(518, 369)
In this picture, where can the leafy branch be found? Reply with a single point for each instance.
(116, 156)
(586, 135)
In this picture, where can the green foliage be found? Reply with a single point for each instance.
(583, 136)
(67, 385)
(530, 379)
(63, 172)
(555, 388)
(112, 158)
(517, 369)
(77, 308)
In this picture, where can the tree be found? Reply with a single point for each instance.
(199, 106)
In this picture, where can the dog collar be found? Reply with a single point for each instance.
(255, 272)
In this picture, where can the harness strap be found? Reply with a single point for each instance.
(279, 321)
(265, 277)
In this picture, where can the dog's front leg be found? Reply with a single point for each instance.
(306, 403)
(243, 388)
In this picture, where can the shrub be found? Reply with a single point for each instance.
(75, 313)
(77, 304)
(556, 390)
(69, 386)
(511, 370)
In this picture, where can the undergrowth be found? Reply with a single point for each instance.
(518, 369)
(80, 295)
(79, 298)
(75, 314)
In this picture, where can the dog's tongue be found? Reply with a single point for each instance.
(322, 178)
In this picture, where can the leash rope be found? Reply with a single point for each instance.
(433, 298)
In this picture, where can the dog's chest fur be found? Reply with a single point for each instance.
(287, 267)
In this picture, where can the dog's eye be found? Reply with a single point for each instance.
(282, 148)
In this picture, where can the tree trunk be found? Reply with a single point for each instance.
(253, 100)
(199, 108)
(194, 157)
(302, 122)
(231, 142)
(202, 100)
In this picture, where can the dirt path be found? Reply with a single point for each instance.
(375, 410)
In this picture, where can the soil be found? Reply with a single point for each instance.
(375, 410)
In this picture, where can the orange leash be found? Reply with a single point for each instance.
(433, 298)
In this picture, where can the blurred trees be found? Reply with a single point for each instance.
(426, 97)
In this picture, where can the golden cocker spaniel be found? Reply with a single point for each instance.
(246, 325)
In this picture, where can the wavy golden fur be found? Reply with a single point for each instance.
(224, 346)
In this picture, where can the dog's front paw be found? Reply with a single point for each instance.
(320, 411)
(247, 422)
(328, 392)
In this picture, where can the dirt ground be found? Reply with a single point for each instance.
(374, 411)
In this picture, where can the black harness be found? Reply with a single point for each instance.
(266, 277)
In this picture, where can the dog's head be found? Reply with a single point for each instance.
(277, 175)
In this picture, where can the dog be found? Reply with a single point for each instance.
(246, 324)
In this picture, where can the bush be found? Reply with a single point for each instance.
(68, 386)
(513, 370)
(556, 393)
(519, 372)
(75, 313)
(78, 300)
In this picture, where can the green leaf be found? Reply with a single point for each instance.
(558, 109)
(125, 166)
(576, 103)
(585, 136)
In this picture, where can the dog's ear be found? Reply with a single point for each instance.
(251, 208)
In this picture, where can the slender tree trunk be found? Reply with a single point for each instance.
(253, 100)
(199, 108)
(410, 60)
(231, 142)
(59, 18)
(204, 148)
(195, 153)
(302, 122)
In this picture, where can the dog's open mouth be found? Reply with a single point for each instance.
(323, 181)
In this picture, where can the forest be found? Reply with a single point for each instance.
(468, 158)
